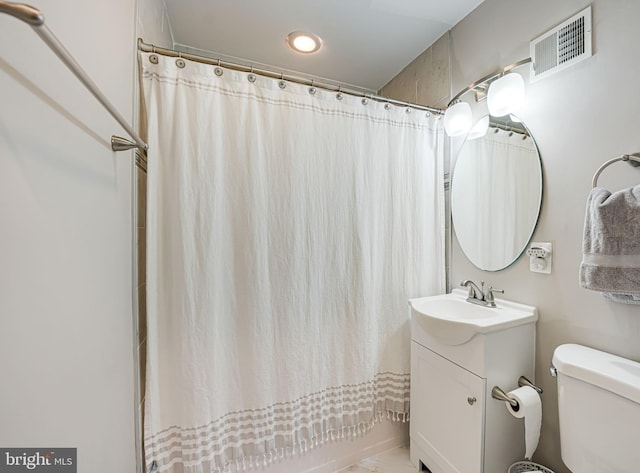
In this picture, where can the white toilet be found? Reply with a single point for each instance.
(599, 410)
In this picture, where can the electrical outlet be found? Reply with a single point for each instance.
(540, 256)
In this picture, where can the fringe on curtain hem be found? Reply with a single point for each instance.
(250, 463)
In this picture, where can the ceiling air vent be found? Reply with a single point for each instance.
(563, 46)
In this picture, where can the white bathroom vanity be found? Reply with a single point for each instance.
(459, 352)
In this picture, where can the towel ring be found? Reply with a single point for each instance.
(633, 159)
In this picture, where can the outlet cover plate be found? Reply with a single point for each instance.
(540, 263)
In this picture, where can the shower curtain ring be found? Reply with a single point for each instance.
(251, 76)
(180, 62)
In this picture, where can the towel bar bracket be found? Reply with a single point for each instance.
(632, 162)
(119, 143)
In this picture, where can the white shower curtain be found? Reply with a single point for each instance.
(287, 227)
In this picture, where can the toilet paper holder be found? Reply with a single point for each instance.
(500, 395)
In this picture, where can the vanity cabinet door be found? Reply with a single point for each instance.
(447, 413)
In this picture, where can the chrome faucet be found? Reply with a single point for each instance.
(477, 295)
(474, 291)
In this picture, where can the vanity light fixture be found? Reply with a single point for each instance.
(506, 95)
(302, 42)
(457, 119)
(479, 129)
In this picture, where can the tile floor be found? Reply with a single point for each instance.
(392, 461)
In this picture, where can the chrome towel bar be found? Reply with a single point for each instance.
(33, 17)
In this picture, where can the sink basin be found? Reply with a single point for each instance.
(453, 321)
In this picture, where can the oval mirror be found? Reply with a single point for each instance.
(496, 192)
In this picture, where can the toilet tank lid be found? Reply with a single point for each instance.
(613, 373)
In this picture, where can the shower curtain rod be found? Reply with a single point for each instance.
(511, 129)
(151, 48)
(34, 18)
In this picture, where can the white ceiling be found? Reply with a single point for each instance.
(365, 42)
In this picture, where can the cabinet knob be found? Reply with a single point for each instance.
(471, 400)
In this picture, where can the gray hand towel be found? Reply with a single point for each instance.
(611, 244)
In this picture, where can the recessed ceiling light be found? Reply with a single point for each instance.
(303, 42)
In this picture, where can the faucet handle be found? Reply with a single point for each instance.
(489, 296)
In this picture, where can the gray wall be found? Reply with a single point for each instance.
(66, 232)
(580, 118)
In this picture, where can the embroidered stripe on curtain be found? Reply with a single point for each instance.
(286, 231)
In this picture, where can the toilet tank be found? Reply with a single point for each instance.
(599, 410)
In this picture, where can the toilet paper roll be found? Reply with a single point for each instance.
(530, 408)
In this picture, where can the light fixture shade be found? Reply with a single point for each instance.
(303, 42)
(457, 119)
(479, 129)
(506, 95)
